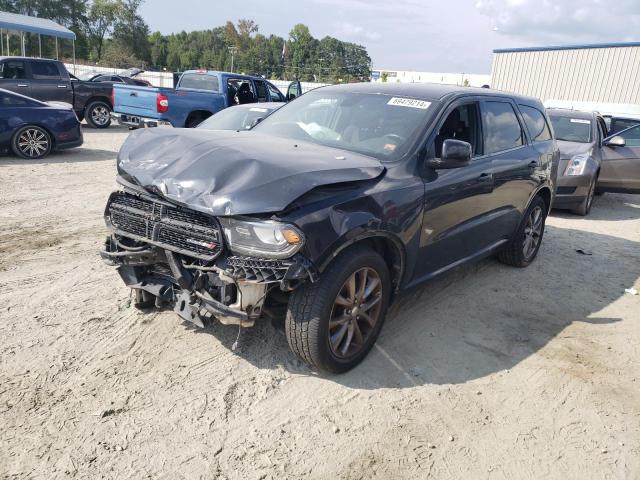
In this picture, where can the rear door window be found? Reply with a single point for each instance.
(502, 130)
(13, 70)
(45, 71)
(536, 123)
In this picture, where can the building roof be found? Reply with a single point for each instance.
(568, 47)
(43, 26)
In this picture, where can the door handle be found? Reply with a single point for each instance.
(534, 164)
(62, 86)
(133, 94)
(485, 177)
(23, 85)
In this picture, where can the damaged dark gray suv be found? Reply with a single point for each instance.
(330, 207)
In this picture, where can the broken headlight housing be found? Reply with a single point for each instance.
(265, 239)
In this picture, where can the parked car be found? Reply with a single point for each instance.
(198, 95)
(126, 76)
(329, 207)
(32, 129)
(580, 137)
(49, 81)
(240, 117)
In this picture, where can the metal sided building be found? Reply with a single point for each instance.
(601, 73)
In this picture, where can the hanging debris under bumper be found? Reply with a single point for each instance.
(231, 289)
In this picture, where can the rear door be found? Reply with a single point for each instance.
(620, 169)
(515, 163)
(14, 76)
(48, 83)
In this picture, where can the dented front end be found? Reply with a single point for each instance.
(174, 256)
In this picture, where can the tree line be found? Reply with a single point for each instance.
(113, 33)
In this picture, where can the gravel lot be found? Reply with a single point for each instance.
(489, 373)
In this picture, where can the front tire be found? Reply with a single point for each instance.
(333, 323)
(31, 142)
(524, 246)
(585, 207)
(98, 114)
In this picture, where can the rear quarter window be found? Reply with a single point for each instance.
(536, 123)
(200, 82)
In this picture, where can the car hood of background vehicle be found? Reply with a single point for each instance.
(570, 149)
(235, 173)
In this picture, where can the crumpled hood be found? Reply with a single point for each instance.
(235, 173)
(570, 149)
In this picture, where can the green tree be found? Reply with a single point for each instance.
(101, 20)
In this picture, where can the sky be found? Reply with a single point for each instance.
(431, 36)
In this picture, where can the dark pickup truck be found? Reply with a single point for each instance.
(49, 81)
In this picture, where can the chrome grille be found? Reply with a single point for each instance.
(165, 225)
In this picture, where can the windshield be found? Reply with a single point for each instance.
(571, 129)
(235, 118)
(378, 125)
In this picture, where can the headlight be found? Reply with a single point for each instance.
(576, 165)
(267, 239)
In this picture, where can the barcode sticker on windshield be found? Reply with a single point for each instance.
(409, 102)
(580, 120)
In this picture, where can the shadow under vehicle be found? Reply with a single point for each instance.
(330, 207)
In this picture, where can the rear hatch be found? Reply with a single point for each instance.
(136, 100)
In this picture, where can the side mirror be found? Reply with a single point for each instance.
(294, 90)
(455, 154)
(615, 141)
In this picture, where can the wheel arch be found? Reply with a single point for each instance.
(97, 98)
(389, 246)
(39, 125)
(545, 193)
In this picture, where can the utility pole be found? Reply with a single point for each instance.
(233, 51)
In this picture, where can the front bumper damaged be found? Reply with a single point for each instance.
(231, 289)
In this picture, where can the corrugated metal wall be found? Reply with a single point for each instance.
(587, 74)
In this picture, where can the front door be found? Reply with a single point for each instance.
(620, 168)
(15, 77)
(456, 200)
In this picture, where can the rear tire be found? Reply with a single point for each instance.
(98, 114)
(31, 142)
(333, 323)
(524, 246)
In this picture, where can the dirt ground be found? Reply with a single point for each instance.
(489, 373)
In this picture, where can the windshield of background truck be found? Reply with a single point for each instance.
(571, 129)
(382, 126)
(235, 118)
